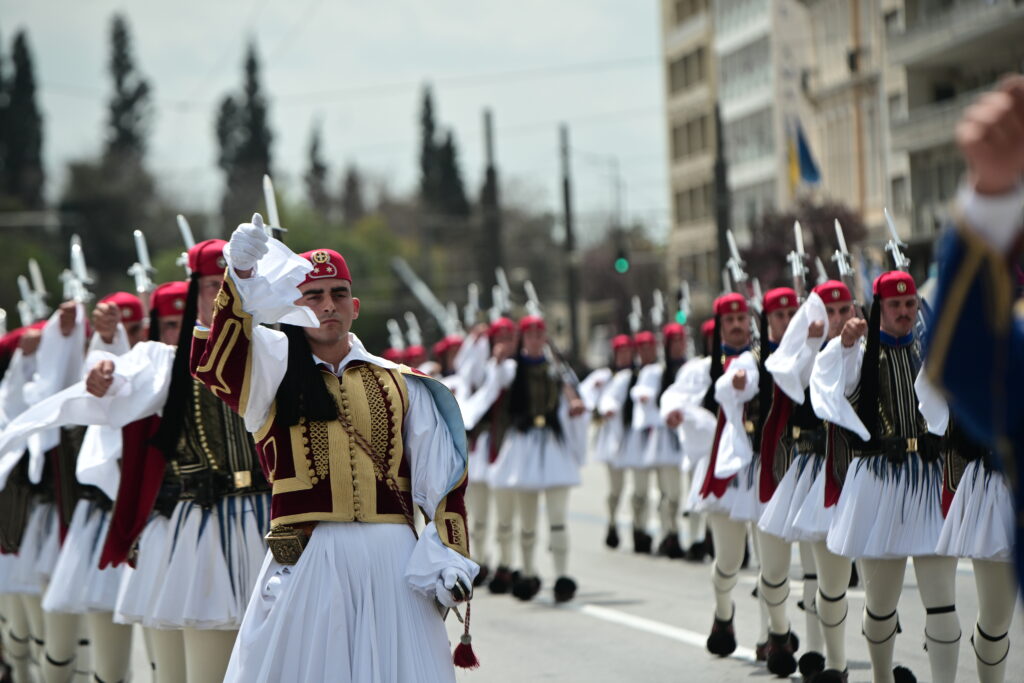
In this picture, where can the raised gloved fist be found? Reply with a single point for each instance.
(248, 244)
(453, 586)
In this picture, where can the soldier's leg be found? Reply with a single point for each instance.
(936, 583)
(997, 596)
(815, 639)
(17, 638)
(833, 608)
(61, 630)
(616, 482)
(528, 502)
(167, 650)
(207, 654)
(504, 512)
(641, 507)
(883, 584)
(478, 506)
(111, 647)
(33, 608)
(730, 542)
(773, 590)
(556, 501)
(670, 485)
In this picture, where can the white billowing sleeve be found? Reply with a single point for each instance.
(97, 463)
(686, 394)
(118, 345)
(614, 396)
(60, 365)
(931, 404)
(497, 378)
(593, 386)
(141, 380)
(791, 364)
(437, 467)
(12, 387)
(998, 220)
(645, 396)
(734, 448)
(574, 431)
(269, 295)
(471, 359)
(835, 376)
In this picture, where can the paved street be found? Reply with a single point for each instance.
(646, 618)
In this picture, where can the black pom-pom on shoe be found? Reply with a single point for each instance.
(811, 664)
(611, 539)
(502, 581)
(781, 661)
(481, 577)
(565, 589)
(526, 587)
(902, 674)
(722, 641)
(831, 676)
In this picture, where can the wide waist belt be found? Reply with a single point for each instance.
(207, 487)
(898, 448)
(808, 440)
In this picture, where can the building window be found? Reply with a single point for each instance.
(899, 195)
(690, 137)
(745, 70)
(749, 138)
(687, 71)
(694, 204)
(685, 9)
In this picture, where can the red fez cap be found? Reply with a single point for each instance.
(621, 341)
(894, 283)
(169, 299)
(673, 330)
(532, 322)
(779, 298)
(414, 354)
(9, 342)
(644, 337)
(393, 355)
(730, 303)
(502, 324)
(207, 258)
(326, 263)
(129, 305)
(708, 328)
(833, 292)
(446, 343)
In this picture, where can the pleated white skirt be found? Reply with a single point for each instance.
(344, 613)
(78, 585)
(534, 460)
(633, 448)
(479, 465)
(37, 555)
(663, 448)
(888, 510)
(779, 516)
(813, 519)
(979, 523)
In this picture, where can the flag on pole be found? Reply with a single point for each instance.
(802, 167)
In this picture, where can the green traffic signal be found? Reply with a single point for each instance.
(681, 317)
(621, 265)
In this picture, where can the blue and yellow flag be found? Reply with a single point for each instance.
(802, 167)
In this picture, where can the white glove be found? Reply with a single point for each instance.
(446, 583)
(248, 244)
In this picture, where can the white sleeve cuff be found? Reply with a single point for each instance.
(269, 295)
(429, 558)
(998, 220)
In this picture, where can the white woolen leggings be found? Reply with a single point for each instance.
(773, 587)
(166, 654)
(556, 502)
(478, 505)
(936, 582)
(17, 637)
(505, 513)
(616, 483)
(641, 497)
(61, 644)
(206, 654)
(730, 542)
(831, 602)
(997, 597)
(111, 647)
(670, 483)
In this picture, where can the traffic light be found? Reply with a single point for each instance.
(681, 317)
(621, 261)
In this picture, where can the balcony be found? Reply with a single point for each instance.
(932, 125)
(685, 34)
(968, 30)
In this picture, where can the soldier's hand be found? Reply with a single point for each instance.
(248, 245)
(68, 312)
(502, 351)
(991, 137)
(816, 329)
(105, 318)
(29, 342)
(576, 407)
(99, 379)
(739, 380)
(674, 419)
(854, 329)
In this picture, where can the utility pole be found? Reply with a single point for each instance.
(723, 218)
(491, 253)
(570, 248)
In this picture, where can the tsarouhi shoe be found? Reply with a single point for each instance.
(830, 676)
(526, 587)
(902, 674)
(781, 647)
(811, 664)
(481, 577)
(565, 589)
(722, 641)
(612, 538)
(670, 548)
(501, 582)
(642, 542)
(697, 552)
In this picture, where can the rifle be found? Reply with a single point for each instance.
(797, 260)
(453, 318)
(423, 294)
(274, 228)
(636, 316)
(533, 307)
(498, 303)
(142, 269)
(395, 338)
(38, 297)
(844, 261)
(76, 279)
(893, 246)
(413, 334)
(472, 309)
(186, 236)
(683, 307)
(820, 268)
(25, 311)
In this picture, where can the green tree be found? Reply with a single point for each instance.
(451, 199)
(23, 127)
(4, 102)
(244, 138)
(353, 207)
(316, 175)
(430, 177)
(130, 108)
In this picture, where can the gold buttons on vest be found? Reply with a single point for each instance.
(540, 421)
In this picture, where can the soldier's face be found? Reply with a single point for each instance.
(209, 287)
(332, 301)
(170, 328)
(136, 331)
(534, 339)
(648, 353)
(778, 321)
(899, 314)
(676, 347)
(623, 357)
(838, 314)
(736, 329)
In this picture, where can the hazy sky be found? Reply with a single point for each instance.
(357, 66)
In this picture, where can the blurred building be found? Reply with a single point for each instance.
(690, 87)
(949, 51)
